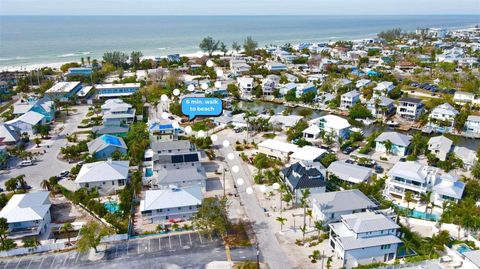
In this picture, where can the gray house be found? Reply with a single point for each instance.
(350, 173)
(298, 177)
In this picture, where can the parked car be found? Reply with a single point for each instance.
(26, 163)
(378, 169)
(63, 174)
(349, 150)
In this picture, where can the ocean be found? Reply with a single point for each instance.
(33, 40)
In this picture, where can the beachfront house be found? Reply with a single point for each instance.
(27, 214)
(27, 122)
(170, 205)
(381, 107)
(63, 91)
(364, 238)
(440, 146)
(410, 108)
(79, 71)
(383, 88)
(277, 149)
(106, 176)
(299, 176)
(348, 172)
(442, 118)
(330, 206)
(399, 143)
(107, 91)
(104, 146)
(332, 125)
(347, 100)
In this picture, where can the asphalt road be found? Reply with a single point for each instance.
(191, 250)
(48, 165)
(270, 249)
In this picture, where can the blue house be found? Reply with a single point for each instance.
(372, 73)
(44, 106)
(116, 90)
(400, 143)
(82, 71)
(104, 146)
(163, 130)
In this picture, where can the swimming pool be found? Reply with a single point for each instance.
(462, 248)
(420, 215)
(148, 172)
(111, 207)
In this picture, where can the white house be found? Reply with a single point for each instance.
(330, 206)
(274, 66)
(363, 83)
(472, 125)
(308, 154)
(364, 238)
(107, 176)
(116, 113)
(447, 188)
(410, 108)
(27, 214)
(277, 149)
(332, 125)
(347, 100)
(400, 143)
(245, 84)
(26, 123)
(381, 107)
(239, 66)
(472, 259)
(350, 173)
(463, 97)
(383, 88)
(443, 116)
(312, 133)
(468, 156)
(173, 204)
(440, 146)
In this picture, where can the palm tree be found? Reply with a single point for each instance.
(318, 224)
(408, 198)
(388, 146)
(45, 184)
(417, 143)
(66, 229)
(303, 201)
(282, 221)
(310, 216)
(315, 256)
(426, 199)
(287, 197)
(304, 231)
(21, 181)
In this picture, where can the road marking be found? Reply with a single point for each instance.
(138, 247)
(190, 237)
(29, 263)
(78, 255)
(149, 246)
(159, 244)
(53, 262)
(40, 266)
(170, 240)
(66, 258)
(6, 264)
(116, 250)
(200, 236)
(19, 262)
(180, 239)
(127, 246)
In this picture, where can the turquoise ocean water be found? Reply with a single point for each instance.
(27, 40)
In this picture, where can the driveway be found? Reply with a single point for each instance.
(48, 165)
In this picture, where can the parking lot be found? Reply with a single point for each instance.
(188, 250)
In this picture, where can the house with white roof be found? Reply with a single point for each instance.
(447, 188)
(330, 206)
(104, 146)
(115, 112)
(27, 122)
(440, 146)
(410, 177)
(239, 66)
(347, 100)
(106, 91)
(173, 204)
(472, 125)
(245, 84)
(364, 238)
(463, 97)
(107, 176)
(312, 133)
(332, 125)
(443, 117)
(468, 156)
(472, 259)
(44, 106)
(179, 177)
(348, 172)
(399, 143)
(63, 91)
(383, 88)
(363, 83)
(275, 66)
(27, 214)
(277, 149)
(308, 154)
(285, 121)
(269, 84)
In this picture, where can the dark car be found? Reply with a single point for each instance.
(378, 169)
(348, 150)
(350, 161)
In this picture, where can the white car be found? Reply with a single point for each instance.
(25, 163)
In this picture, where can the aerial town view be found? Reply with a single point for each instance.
(260, 134)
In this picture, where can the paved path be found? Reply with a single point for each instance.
(48, 165)
(271, 250)
(189, 250)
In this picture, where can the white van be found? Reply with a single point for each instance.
(26, 163)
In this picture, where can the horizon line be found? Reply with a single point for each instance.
(245, 15)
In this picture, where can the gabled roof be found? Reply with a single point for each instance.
(446, 109)
(307, 153)
(409, 170)
(450, 186)
(302, 177)
(103, 171)
(473, 256)
(347, 200)
(349, 172)
(394, 137)
(26, 207)
(350, 243)
(278, 145)
(170, 198)
(312, 129)
(104, 141)
(351, 94)
(177, 146)
(368, 222)
(440, 143)
(175, 175)
(31, 117)
(9, 133)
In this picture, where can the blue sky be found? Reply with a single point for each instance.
(237, 7)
